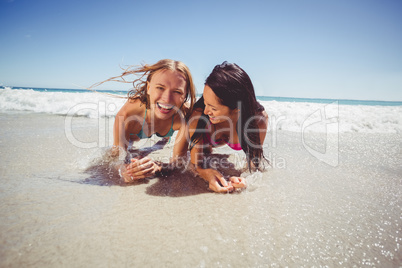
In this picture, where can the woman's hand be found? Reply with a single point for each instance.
(138, 169)
(238, 182)
(217, 182)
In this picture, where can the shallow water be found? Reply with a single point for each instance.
(58, 208)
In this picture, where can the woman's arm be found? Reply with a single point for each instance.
(120, 139)
(263, 126)
(181, 143)
(125, 120)
(215, 179)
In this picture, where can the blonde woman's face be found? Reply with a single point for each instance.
(167, 92)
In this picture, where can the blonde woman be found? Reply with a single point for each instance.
(162, 96)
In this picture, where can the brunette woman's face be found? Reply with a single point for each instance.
(216, 111)
(167, 93)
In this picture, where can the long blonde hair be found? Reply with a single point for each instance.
(145, 70)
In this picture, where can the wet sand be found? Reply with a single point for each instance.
(60, 207)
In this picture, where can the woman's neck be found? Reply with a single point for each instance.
(157, 123)
(227, 129)
(231, 123)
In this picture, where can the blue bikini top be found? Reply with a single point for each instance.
(142, 135)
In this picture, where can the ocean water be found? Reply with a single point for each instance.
(331, 196)
(293, 114)
(260, 98)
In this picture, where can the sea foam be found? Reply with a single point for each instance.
(289, 116)
(333, 117)
(89, 104)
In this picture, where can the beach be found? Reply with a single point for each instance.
(331, 196)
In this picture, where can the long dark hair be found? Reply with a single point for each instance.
(232, 85)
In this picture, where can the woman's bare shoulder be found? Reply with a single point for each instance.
(132, 107)
(186, 108)
(197, 112)
(263, 119)
(264, 114)
(194, 118)
(180, 119)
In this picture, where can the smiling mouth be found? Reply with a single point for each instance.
(164, 107)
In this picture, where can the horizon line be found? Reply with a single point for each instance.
(279, 97)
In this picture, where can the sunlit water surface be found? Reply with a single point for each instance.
(60, 206)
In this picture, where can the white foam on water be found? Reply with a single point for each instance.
(290, 116)
(89, 104)
(331, 118)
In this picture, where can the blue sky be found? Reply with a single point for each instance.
(346, 49)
